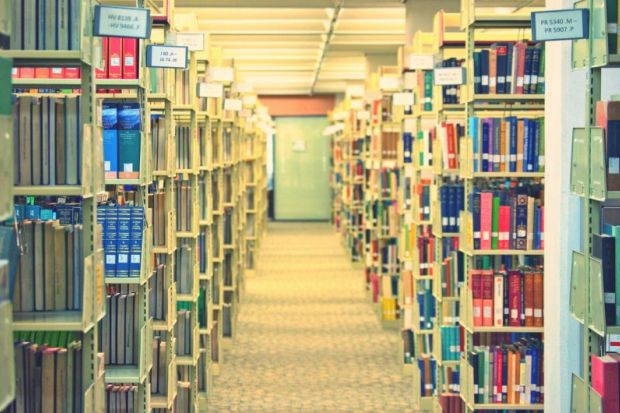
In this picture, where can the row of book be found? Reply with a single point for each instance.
(451, 381)
(47, 140)
(159, 371)
(204, 243)
(158, 300)
(45, 73)
(50, 273)
(428, 376)
(427, 305)
(121, 398)
(509, 144)
(508, 217)
(608, 118)
(423, 191)
(184, 331)
(452, 403)
(44, 25)
(122, 124)
(119, 336)
(452, 273)
(387, 182)
(184, 258)
(451, 94)
(48, 373)
(510, 68)
(160, 227)
(184, 205)
(507, 298)
(451, 342)
(449, 136)
(508, 373)
(426, 254)
(425, 88)
(389, 145)
(158, 143)
(452, 202)
(120, 59)
(123, 233)
(205, 194)
(184, 147)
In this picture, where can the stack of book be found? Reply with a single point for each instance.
(451, 347)
(120, 58)
(426, 305)
(449, 135)
(389, 145)
(452, 198)
(119, 338)
(425, 147)
(184, 147)
(426, 254)
(508, 217)
(123, 231)
(507, 298)
(122, 125)
(48, 137)
(423, 191)
(509, 144)
(452, 272)
(425, 90)
(388, 184)
(510, 68)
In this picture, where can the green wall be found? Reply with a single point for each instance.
(301, 180)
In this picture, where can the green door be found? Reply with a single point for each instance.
(301, 176)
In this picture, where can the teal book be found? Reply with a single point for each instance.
(615, 232)
(129, 126)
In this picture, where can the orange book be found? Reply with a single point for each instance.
(538, 298)
(528, 298)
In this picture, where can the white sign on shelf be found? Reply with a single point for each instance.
(447, 76)
(221, 74)
(389, 83)
(195, 42)
(421, 62)
(169, 57)
(210, 90)
(568, 24)
(402, 99)
(118, 21)
(357, 104)
(233, 105)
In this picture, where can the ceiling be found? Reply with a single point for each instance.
(299, 47)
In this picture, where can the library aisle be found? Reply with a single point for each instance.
(307, 338)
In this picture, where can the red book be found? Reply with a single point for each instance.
(451, 146)
(504, 227)
(520, 66)
(57, 73)
(103, 72)
(499, 358)
(130, 58)
(15, 72)
(42, 73)
(72, 73)
(486, 219)
(605, 379)
(514, 298)
(115, 57)
(26, 72)
(475, 277)
(538, 298)
(528, 298)
(487, 298)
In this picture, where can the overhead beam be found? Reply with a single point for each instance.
(328, 39)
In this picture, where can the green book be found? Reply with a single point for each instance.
(129, 126)
(6, 106)
(495, 224)
(428, 90)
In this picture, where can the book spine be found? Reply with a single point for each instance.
(130, 58)
(110, 140)
(487, 298)
(129, 127)
(110, 240)
(514, 278)
(137, 231)
(124, 241)
(498, 300)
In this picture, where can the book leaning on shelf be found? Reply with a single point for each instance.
(184, 206)
(183, 266)
(158, 303)
(510, 68)
(47, 143)
(183, 402)
(50, 273)
(508, 217)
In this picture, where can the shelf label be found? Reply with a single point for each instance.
(210, 90)
(446, 76)
(221, 74)
(195, 42)
(421, 62)
(117, 21)
(233, 104)
(168, 57)
(402, 99)
(389, 83)
(568, 24)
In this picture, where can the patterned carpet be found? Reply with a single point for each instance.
(308, 339)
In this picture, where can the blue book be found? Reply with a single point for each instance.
(473, 132)
(521, 219)
(110, 235)
(67, 214)
(136, 238)
(485, 146)
(512, 124)
(477, 71)
(460, 205)
(110, 140)
(535, 144)
(33, 212)
(509, 74)
(129, 126)
(497, 148)
(526, 145)
(445, 219)
(407, 147)
(20, 212)
(452, 208)
(123, 241)
(527, 72)
(484, 71)
(502, 58)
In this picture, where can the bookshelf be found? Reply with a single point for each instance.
(77, 324)
(6, 212)
(590, 181)
(485, 28)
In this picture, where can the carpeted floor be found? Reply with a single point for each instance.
(308, 338)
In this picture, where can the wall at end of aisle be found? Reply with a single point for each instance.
(290, 105)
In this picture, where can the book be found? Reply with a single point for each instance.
(129, 131)
(110, 139)
(605, 381)
(130, 58)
